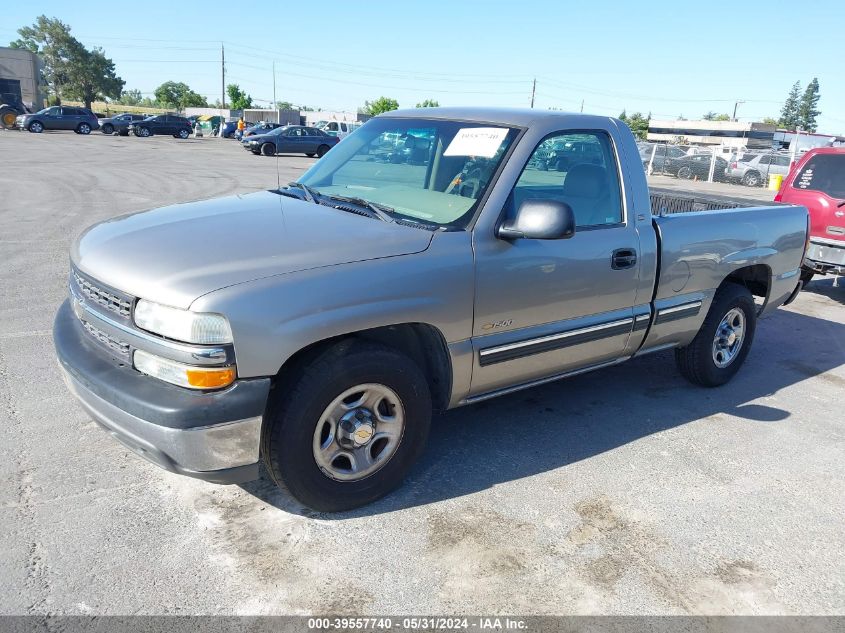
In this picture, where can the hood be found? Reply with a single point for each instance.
(176, 254)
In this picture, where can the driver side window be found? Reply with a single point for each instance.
(578, 168)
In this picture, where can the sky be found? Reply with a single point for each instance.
(669, 58)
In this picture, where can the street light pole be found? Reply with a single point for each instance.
(736, 103)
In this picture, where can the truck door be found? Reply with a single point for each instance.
(548, 307)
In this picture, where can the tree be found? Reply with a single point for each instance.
(285, 105)
(770, 120)
(637, 122)
(428, 103)
(808, 107)
(712, 116)
(51, 39)
(129, 97)
(238, 99)
(91, 77)
(789, 113)
(382, 104)
(178, 95)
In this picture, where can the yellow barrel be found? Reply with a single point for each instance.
(775, 181)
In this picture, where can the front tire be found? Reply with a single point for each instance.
(721, 345)
(8, 118)
(346, 427)
(108, 128)
(268, 149)
(143, 132)
(685, 173)
(36, 127)
(321, 151)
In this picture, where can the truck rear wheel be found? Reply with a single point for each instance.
(721, 345)
(347, 427)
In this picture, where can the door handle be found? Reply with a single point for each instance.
(623, 258)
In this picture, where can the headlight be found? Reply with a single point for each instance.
(183, 375)
(182, 325)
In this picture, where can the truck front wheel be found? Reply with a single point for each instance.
(721, 345)
(347, 426)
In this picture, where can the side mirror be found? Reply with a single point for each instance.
(539, 220)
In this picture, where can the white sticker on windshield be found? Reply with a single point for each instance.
(476, 141)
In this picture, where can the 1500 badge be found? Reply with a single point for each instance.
(497, 324)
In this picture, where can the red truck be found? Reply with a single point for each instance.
(817, 181)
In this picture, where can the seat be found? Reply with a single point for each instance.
(584, 189)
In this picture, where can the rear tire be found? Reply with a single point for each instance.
(268, 149)
(752, 179)
(718, 350)
(183, 134)
(807, 276)
(685, 173)
(299, 420)
(83, 128)
(321, 151)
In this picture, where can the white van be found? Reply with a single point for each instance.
(339, 129)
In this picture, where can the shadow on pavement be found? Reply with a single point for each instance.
(476, 447)
(824, 285)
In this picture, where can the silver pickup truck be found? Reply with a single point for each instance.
(431, 260)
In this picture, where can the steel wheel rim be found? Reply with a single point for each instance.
(36, 127)
(144, 132)
(84, 128)
(359, 432)
(730, 335)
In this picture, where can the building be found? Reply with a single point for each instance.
(20, 76)
(726, 133)
(785, 139)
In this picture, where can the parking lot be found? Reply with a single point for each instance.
(622, 491)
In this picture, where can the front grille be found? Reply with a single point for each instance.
(108, 300)
(111, 342)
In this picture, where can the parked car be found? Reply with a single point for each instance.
(753, 170)
(229, 128)
(291, 139)
(172, 124)
(695, 166)
(80, 120)
(120, 123)
(817, 181)
(661, 154)
(317, 333)
(260, 128)
(340, 129)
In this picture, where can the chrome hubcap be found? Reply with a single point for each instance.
(359, 432)
(729, 337)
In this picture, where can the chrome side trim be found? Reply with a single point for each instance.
(182, 352)
(541, 381)
(678, 312)
(550, 342)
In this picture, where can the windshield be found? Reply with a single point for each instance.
(424, 169)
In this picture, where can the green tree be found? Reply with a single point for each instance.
(51, 39)
(129, 97)
(92, 77)
(178, 95)
(789, 112)
(238, 99)
(382, 104)
(285, 105)
(712, 116)
(770, 120)
(637, 122)
(428, 103)
(808, 109)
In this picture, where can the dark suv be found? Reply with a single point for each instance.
(177, 126)
(80, 120)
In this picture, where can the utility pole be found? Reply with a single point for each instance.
(533, 89)
(736, 103)
(223, 74)
(582, 105)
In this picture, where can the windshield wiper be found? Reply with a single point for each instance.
(310, 194)
(379, 211)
